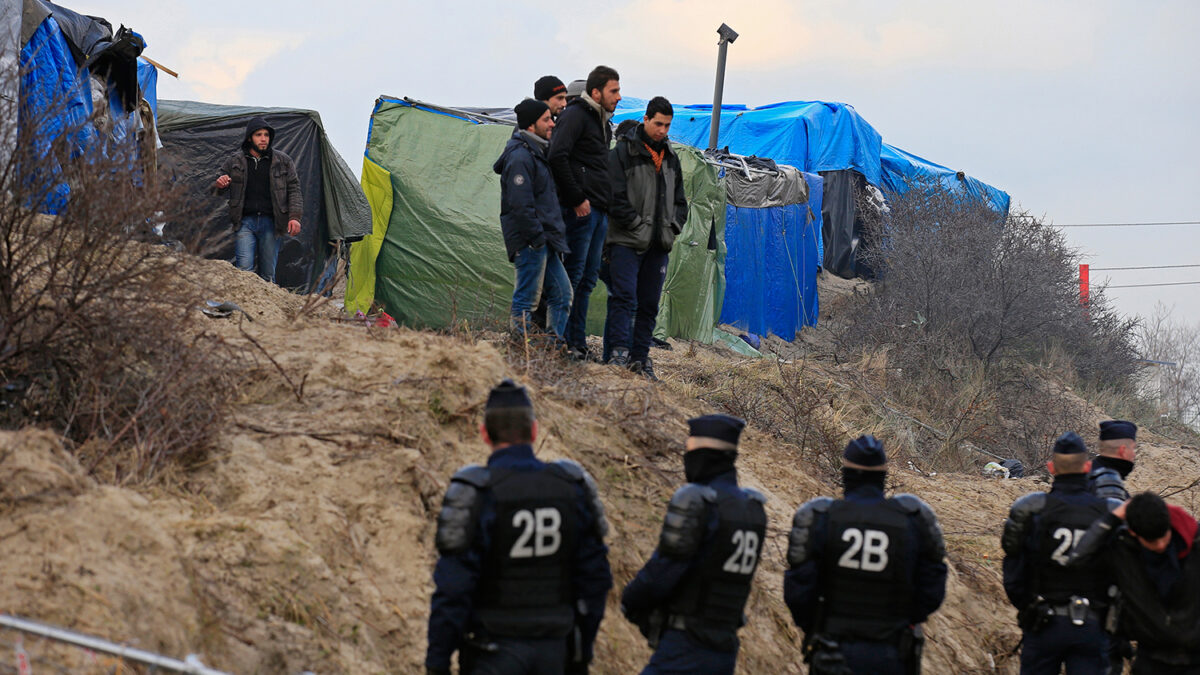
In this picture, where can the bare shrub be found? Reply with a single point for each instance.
(96, 340)
(965, 298)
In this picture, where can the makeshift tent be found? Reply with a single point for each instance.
(437, 251)
(771, 234)
(827, 138)
(196, 139)
(80, 78)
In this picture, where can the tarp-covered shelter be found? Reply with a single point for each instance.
(772, 236)
(81, 78)
(196, 139)
(831, 139)
(437, 253)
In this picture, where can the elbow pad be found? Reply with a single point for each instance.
(1019, 518)
(1107, 484)
(927, 521)
(579, 474)
(684, 525)
(802, 526)
(456, 520)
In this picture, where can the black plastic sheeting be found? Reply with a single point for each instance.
(842, 224)
(195, 154)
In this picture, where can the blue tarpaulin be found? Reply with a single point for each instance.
(900, 167)
(809, 135)
(772, 259)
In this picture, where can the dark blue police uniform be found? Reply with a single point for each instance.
(864, 571)
(690, 595)
(523, 572)
(1061, 610)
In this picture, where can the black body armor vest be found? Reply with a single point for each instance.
(1062, 525)
(526, 589)
(713, 595)
(868, 581)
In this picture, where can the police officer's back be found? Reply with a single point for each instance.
(1060, 610)
(864, 571)
(1118, 450)
(689, 597)
(523, 571)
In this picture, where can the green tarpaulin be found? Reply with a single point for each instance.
(442, 258)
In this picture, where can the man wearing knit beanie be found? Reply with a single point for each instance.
(531, 220)
(689, 597)
(522, 566)
(550, 90)
(1061, 611)
(864, 571)
(1118, 450)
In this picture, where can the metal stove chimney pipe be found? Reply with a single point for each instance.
(728, 35)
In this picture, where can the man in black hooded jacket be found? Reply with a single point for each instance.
(264, 198)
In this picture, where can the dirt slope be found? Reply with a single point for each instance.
(305, 541)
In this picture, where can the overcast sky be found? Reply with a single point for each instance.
(1084, 112)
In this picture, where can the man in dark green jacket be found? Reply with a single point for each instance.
(648, 210)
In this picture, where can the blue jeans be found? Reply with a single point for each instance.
(533, 265)
(256, 242)
(585, 238)
(635, 282)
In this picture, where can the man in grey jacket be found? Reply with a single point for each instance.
(264, 198)
(647, 211)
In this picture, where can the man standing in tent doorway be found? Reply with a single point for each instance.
(531, 220)
(579, 158)
(264, 198)
(649, 208)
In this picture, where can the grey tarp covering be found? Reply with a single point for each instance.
(843, 224)
(197, 137)
(760, 189)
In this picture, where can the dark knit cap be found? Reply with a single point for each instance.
(721, 427)
(865, 451)
(508, 394)
(1113, 429)
(529, 111)
(1069, 444)
(548, 86)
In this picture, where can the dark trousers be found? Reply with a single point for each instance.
(1144, 664)
(1082, 649)
(678, 654)
(516, 657)
(874, 658)
(635, 282)
(585, 240)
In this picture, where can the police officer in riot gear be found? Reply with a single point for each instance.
(523, 570)
(1061, 611)
(1118, 450)
(689, 597)
(864, 571)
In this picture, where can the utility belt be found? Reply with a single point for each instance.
(823, 652)
(1078, 609)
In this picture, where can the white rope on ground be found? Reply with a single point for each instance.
(191, 665)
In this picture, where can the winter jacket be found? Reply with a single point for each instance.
(286, 198)
(648, 206)
(529, 210)
(579, 154)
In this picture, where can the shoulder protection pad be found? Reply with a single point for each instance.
(1107, 483)
(456, 520)
(577, 473)
(754, 495)
(802, 524)
(928, 521)
(1019, 516)
(684, 524)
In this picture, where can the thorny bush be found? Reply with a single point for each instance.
(96, 341)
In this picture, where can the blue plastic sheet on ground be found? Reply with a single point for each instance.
(770, 269)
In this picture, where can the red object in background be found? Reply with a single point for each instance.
(1083, 285)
